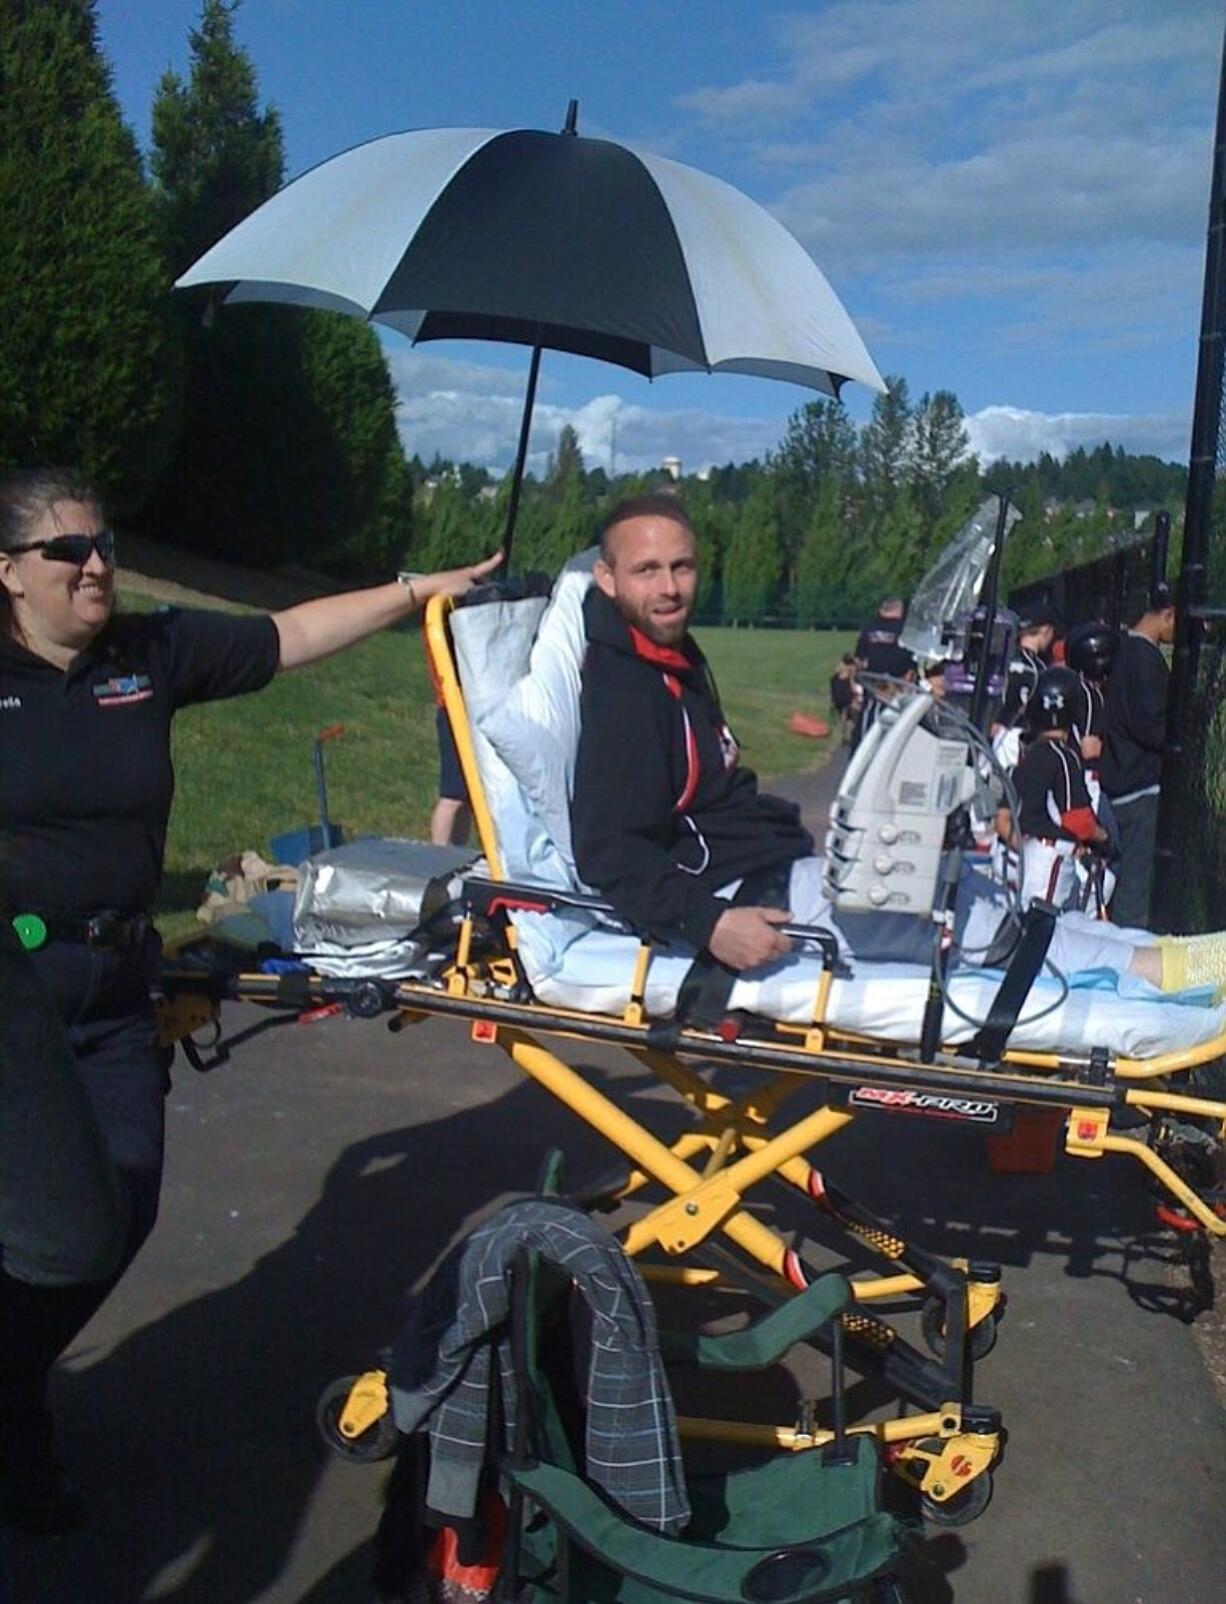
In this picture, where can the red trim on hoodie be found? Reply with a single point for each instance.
(661, 656)
(692, 768)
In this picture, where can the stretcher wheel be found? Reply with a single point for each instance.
(963, 1507)
(982, 1337)
(376, 1442)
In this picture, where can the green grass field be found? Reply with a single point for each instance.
(244, 771)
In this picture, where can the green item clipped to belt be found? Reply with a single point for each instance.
(31, 931)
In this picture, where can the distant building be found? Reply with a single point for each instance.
(672, 467)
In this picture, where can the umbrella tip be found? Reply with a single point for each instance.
(572, 117)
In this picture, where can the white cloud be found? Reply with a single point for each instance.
(1019, 435)
(470, 412)
(473, 415)
(930, 127)
(416, 373)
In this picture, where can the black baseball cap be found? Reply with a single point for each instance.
(1033, 615)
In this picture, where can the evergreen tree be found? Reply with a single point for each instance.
(822, 562)
(288, 446)
(553, 525)
(899, 556)
(940, 445)
(820, 444)
(443, 528)
(714, 522)
(886, 445)
(216, 156)
(83, 339)
(752, 564)
(567, 461)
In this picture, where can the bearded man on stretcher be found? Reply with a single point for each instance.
(676, 834)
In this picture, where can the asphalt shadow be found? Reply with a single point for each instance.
(321, 1173)
(195, 1429)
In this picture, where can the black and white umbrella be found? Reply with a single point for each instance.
(546, 240)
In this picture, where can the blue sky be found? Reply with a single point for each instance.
(1009, 196)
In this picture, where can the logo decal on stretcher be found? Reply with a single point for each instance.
(897, 1100)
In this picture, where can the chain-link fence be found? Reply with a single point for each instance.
(1113, 589)
(1189, 891)
(1190, 886)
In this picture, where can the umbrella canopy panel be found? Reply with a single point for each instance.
(551, 240)
(552, 229)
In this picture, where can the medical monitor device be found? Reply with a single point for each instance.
(888, 824)
(964, 646)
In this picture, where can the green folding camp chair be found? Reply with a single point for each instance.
(798, 1529)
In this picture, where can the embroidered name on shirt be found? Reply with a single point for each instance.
(9, 704)
(121, 690)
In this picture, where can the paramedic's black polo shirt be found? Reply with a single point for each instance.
(85, 775)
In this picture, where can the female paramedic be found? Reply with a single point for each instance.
(86, 700)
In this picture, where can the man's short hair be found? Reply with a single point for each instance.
(651, 504)
(891, 607)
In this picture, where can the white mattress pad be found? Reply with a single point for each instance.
(520, 665)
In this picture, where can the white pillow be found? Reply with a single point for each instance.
(534, 728)
(493, 646)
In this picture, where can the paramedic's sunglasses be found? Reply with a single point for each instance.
(74, 549)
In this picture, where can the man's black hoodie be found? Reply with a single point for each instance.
(662, 815)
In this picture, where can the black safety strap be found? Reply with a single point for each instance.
(1038, 928)
(702, 998)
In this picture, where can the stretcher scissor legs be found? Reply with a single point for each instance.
(703, 1204)
(726, 1125)
(944, 1455)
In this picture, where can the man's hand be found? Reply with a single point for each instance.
(743, 938)
(1091, 748)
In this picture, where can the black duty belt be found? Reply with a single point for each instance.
(107, 929)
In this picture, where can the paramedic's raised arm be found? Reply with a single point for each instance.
(315, 629)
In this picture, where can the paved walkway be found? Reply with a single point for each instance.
(326, 1167)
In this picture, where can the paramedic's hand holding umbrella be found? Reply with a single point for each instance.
(546, 240)
(315, 629)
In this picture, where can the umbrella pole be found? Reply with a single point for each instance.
(521, 456)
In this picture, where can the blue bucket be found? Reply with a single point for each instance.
(296, 846)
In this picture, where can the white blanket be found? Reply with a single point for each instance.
(520, 671)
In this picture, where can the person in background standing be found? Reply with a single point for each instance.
(451, 815)
(1036, 632)
(879, 636)
(1135, 734)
